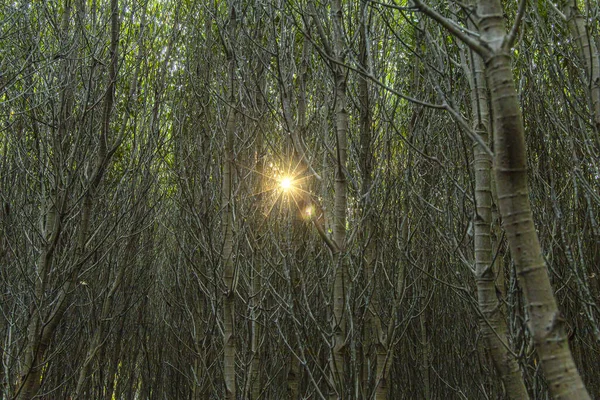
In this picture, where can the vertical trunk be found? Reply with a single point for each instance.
(228, 268)
(588, 51)
(493, 324)
(339, 218)
(256, 268)
(30, 383)
(200, 140)
(296, 230)
(255, 330)
(295, 129)
(547, 326)
(293, 378)
(375, 346)
(372, 325)
(227, 209)
(425, 344)
(110, 390)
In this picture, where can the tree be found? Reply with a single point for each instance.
(547, 324)
(291, 199)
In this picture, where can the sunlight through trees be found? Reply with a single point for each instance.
(297, 199)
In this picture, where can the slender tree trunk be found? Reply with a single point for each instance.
(545, 321)
(340, 201)
(373, 331)
(293, 378)
(256, 332)
(493, 323)
(110, 391)
(98, 337)
(228, 271)
(375, 345)
(588, 51)
(229, 348)
(424, 340)
(51, 227)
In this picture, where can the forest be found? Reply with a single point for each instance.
(299, 199)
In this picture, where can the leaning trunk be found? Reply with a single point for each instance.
(546, 324)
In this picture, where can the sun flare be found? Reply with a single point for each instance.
(286, 184)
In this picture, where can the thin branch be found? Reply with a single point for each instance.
(299, 147)
(320, 30)
(373, 79)
(509, 40)
(332, 246)
(477, 45)
(557, 10)
(393, 6)
(461, 121)
(325, 53)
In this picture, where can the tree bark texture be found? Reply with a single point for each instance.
(229, 346)
(493, 323)
(339, 224)
(547, 326)
(588, 52)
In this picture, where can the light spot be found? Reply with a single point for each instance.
(286, 183)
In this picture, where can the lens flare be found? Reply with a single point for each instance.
(308, 212)
(286, 183)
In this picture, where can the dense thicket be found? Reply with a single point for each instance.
(149, 250)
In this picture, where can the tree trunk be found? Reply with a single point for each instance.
(545, 321)
(340, 201)
(229, 348)
(493, 323)
(375, 344)
(588, 53)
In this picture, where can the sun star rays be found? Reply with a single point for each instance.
(286, 183)
(283, 184)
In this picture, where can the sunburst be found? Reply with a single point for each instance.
(284, 183)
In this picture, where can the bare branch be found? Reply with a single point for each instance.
(477, 45)
(509, 40)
